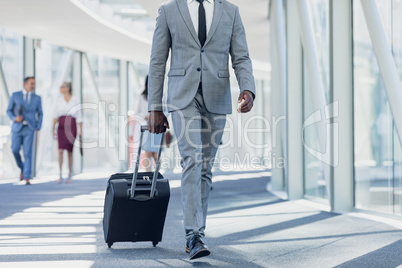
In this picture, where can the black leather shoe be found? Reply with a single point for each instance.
(197, 247)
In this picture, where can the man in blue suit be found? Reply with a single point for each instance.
(25, 110)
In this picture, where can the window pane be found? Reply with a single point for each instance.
(315, 177)
(100, 126)
(11, 53)
(374, 139)
(53, 67)
(397, 50)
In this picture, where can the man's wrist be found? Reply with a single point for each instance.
(158, 107)
(252, 93)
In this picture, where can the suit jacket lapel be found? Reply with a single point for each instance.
(21, 95)
(183, 8)
(218, 9)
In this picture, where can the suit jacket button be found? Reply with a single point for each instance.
(199, 69)
(202, 50)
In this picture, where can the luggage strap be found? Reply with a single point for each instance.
(137, 163)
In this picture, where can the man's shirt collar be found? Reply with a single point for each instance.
(25, 92)
(209, 1)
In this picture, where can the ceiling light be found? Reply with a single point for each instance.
(133, 11)
(108, 24)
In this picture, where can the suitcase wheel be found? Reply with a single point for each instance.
(154, 243)
(109, 245)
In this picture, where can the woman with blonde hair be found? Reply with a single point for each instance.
(68, 115)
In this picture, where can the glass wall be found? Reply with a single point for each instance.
(11, 55)
(136, 79)
(377, 145)
(315, 176)
(11, 61)
(100, 97)
(53, 66)
(246, 139)
(397, 51)
(245, 142)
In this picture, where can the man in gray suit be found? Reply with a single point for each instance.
(200, 36)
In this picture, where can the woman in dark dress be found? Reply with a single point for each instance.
(68, 115)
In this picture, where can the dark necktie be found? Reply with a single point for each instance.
(202, 24)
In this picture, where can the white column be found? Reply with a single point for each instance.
(29, 57)
(278, 106)
(317, 90)
(280, 32)
(135, 130)
(29, 70)
(342, 88)
(123, 108)
(78, 163)
(295, 103)
(386, 61)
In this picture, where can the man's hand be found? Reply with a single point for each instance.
(19, 118)
(248, 103)
(157, 122)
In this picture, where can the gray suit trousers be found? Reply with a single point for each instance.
(199, 134)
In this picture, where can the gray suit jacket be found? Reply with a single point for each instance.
(191, 63)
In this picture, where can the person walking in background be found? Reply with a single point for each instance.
(25, 110)
(151, 141)
(68, 115)
(200, 36)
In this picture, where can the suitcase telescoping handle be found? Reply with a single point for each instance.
(137, 163)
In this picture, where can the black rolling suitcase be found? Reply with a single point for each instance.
(135, 206)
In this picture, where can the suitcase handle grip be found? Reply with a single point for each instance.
(145, 128)
(137, 163)
(142, 197)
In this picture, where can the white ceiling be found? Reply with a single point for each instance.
(62, 23)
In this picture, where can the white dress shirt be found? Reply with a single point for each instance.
(193, 6)
(72, 107)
